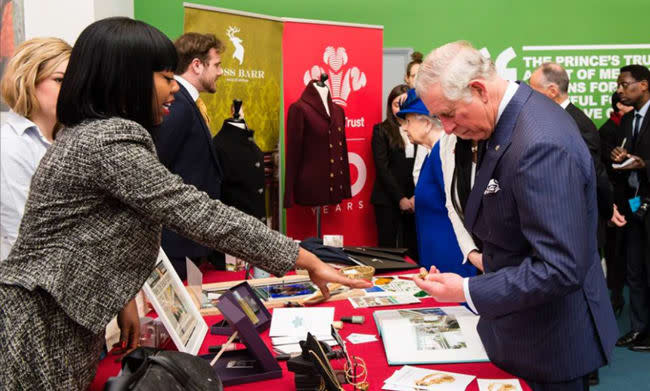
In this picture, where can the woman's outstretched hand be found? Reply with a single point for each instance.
(321, 273)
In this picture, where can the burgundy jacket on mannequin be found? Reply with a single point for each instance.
(317, 171)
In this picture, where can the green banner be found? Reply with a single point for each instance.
(252, 65)
(592, 69)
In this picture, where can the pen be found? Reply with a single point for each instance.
(623, 143)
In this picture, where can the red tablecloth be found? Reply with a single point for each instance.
(371, 352)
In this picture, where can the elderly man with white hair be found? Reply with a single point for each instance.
(545, 314)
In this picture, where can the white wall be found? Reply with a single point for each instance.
(67, 18)
(107, 8)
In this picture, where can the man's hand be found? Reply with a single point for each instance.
(128, 321)
(618, 154)
(444, 287)
(637, 164)
(476, 258)
(617, 218)
(320, 274)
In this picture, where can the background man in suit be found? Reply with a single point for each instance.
(545, 314)
(633, 83)
(184, 142)
(551, 80)
(611, 135)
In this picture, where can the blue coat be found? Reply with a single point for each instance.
(437, 243)
(184, 146)
(545, 312)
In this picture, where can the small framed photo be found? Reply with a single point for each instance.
(175, 307)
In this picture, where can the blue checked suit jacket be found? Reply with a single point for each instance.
(545, 312)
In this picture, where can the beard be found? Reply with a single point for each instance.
(209, 86)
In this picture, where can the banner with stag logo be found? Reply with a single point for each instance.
(252, 68)
(351, 57)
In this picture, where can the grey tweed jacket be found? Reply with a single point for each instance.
(91, 229)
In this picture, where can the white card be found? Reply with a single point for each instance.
(408, 378)
(292, 340)
(295, 348)
(499, 385)
(333, 240)
(356, 338)
(299, 321)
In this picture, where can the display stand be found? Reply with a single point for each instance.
(246, 294)
(319, 234)
(248, 365)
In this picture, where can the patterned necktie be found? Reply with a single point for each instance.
(204, 110)
(635, 129)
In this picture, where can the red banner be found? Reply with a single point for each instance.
(352, 58)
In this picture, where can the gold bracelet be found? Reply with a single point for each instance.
(351, 377)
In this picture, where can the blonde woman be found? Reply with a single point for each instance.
(30, 87)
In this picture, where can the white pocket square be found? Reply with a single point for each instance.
(492, 187)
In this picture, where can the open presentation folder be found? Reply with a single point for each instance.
(433, 335)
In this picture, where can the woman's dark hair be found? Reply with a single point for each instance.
(110, 73)
(416, 58)
(390, 124)
(461, 184)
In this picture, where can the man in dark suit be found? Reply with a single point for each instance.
(545, 314)
(611, 136)
(552, 80)
(184, 141)
(633, 89)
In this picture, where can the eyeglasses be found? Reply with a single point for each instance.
(625, 84)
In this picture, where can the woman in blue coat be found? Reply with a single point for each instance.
(437, 243)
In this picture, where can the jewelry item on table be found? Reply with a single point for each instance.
(435, 378)
(223, 348)
(501, 387)
(358, 380)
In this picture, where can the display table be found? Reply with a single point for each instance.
(371, 352)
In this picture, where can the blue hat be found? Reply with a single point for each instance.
(413, 104)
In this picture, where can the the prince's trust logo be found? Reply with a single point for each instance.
(341, 82)
(239, 74)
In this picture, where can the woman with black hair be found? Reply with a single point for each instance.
(392, 193)
(90, 234)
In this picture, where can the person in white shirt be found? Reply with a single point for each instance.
(30, 87)
(458, 160)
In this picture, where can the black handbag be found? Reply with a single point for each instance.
(147, 369)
